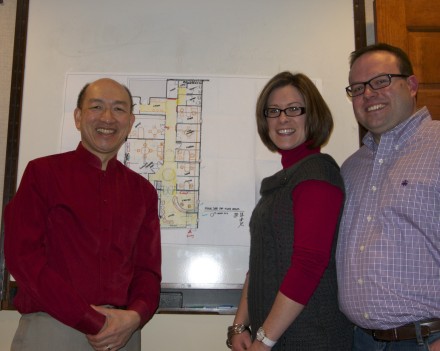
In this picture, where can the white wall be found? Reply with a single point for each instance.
(228, 37)
(369, 21)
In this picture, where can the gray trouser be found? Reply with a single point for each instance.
(39, 331)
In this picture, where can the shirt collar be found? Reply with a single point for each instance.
(400, 133)
(87, 157)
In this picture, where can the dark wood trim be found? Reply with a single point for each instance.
(13, 140)
(360, 37)
(360, 30)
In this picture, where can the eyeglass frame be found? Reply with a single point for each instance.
(349, 89)
(301, 109)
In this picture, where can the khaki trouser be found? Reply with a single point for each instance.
(39, 331)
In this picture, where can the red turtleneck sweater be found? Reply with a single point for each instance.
(316, 206)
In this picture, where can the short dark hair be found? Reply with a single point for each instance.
(82, 93)
(319, 121)
(405, 65)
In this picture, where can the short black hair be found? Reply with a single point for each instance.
(82, 93)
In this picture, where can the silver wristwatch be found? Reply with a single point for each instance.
(261, 336)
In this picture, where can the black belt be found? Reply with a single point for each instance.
(405, 332)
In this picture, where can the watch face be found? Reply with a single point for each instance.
(260, 334)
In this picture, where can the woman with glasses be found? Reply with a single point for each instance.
(289, 298)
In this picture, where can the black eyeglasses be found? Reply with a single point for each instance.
(292, 111)
(375, 83)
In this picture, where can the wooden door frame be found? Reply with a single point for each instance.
(360, 41)
(7, 287)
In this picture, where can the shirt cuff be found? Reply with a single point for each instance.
(142, 309)
(91, 323)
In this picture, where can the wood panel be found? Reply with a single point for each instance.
(414, 25)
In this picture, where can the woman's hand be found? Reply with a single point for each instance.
(241, 341)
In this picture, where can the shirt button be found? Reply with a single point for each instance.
(366, 315)
(380, 161)
(373, 188)
(362, 248)
(369, 218)
(360, 281)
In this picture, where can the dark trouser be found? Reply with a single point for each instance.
(365, 342)
(39, 331)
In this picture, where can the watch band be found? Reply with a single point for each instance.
(266, 341)
(261, 336)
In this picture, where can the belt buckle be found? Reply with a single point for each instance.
(425, 331)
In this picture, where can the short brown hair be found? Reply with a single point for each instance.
(319, 121)
(405, 65)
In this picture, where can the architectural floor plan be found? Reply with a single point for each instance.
(165, 147)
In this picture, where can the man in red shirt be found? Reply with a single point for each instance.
(82, 237)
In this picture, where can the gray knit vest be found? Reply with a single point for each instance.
(320, 326)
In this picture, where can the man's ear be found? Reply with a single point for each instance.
(413, 84)
(77, 117)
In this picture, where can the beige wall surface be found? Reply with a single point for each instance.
(7, 29)
(8, 322)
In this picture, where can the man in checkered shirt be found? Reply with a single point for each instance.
(388, 255)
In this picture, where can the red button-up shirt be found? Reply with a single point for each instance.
(76, 235)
